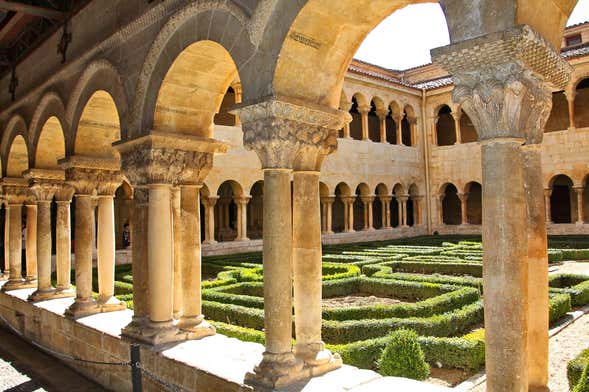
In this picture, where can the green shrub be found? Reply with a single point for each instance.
(576, 366)
(583, 384)
(402, 357)
(559, 305)
(577, 286)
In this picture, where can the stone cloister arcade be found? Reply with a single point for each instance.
(136, 101)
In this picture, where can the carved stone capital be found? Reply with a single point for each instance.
(209, 201)
(385, 199)
(64, 193)
(291, 135)
(367, 199)
(168, 158)
(15, 190)
(327, 199)
(89, 175)
(502, 81)
(44, 183)
(364, 109)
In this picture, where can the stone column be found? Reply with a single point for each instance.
(238, 90)
(400, 212)
(403, 210)
(84, 304)
(368, 216)
(399, 124)
(364, 110)
(106, 251)
(537, 251)
(412, 130)
(44, 288)
(463, 208)
(346, 106)
(456, 117)
(242, 218)
(15, 279)
(509, 101)
(31, 243)
(547, 195)
(385, 202)
(570, 96)
(382, 116)
(209, 203)
(299, 140)
(580, 208)
(326, 211)
(6, 244)
(349, 210)
(192, 320)
(178, 235)
(63, 251)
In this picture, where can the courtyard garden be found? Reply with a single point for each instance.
(430, 285)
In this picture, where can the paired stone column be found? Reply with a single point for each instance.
(155, 163)
(349, 213)
(63, 251)
(456, 117)
(399, 124)
(16, 193)
(570, 96)
(368, 216)
(537, 250)
(242, 203)
(327, 211)
(385, 201)
(44, 184)
(508, 99)
(382, 117)
(580, 208)
(209, 203)
(288, 136)
(364, 110)
(106, 242)
(547, 207)
(463, 208)
(31, 243)
(6, 273)
(178, 234)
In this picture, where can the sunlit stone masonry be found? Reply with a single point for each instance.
(177, 129)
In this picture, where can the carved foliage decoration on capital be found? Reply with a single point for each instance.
(288, 135)
(505, 101)
(166, 165)
(86, 181)
(15, 194)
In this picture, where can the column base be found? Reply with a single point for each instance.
(49, 294)
(18, 285)
(580, 223)
(31, 279)
(159, 333)
(3, 277)
(209, 242)
(111, 304)
(318, 360)
(82, 309)
(198, 330)
(277, 371)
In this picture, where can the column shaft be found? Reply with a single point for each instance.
(84, 236)
(277, 261)
(159, 257)
(537, 252)
(463, 208)
(350, 210)
(399, 123)
(242, 219)
(106, 254)
(547, 194)
(43, 246)
(177, 248)
(63, 246)
(457, 129)
(307, 264)
(210, 220)
(580, 209)
(505, 271)
(329, 216)
(31, 243)
(6, 241)
(571, 107)
(365, 133)
(15, 279)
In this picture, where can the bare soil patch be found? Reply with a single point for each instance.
(359, 300)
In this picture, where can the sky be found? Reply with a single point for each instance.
(401, 42)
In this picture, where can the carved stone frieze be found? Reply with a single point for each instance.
(168, 158)
(291, 135)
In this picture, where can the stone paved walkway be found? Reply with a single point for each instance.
(23, 368)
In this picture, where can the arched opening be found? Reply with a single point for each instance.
(51, 145)
(18, 157)
(379, 208)
(338, 212)
(581, 104)
(559, 115)
(356, 124)
(226, 211)
(468, 133)
(223, 117)
(391, 125)
(373, 123)
(445, 127)
(194, 89)
(362, 190)
(123, 203)
(474, 205)
(562, 200)
(98, 128)
(255, 212)
(409, 120)
(451, 206)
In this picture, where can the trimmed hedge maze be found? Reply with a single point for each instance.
(434, 289)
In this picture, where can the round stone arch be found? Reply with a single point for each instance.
(99, 76)
(47, 132)
(224, 24)
(16, 126)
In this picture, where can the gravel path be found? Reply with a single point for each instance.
(571, 267)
